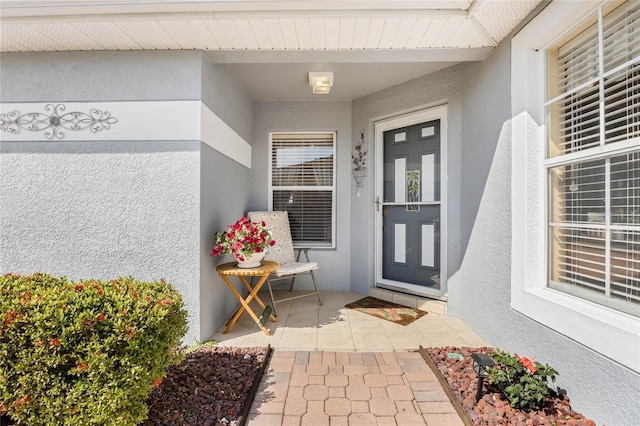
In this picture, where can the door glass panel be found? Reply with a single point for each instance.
(400, 171)
(427, 131)
(428, 177)
(428, 245)
(400, 242)
(400, 137)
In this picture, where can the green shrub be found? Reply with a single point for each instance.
(84, 353)
(522, 381)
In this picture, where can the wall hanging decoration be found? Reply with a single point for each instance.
(54, 120)
(359, 160)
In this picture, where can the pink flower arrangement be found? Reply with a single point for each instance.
(243, 238)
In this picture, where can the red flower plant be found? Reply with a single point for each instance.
(243, 238)
(527, 363)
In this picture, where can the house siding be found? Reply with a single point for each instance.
(100, 76)
(224, 192)
(103, 208)
(600, 388)
(479, 229)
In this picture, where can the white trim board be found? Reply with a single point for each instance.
(142, 121)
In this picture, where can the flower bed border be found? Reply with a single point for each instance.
(445, 385)
(242, 419)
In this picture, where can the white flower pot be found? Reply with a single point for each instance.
(252, 261)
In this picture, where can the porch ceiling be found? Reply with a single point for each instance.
(271, 44)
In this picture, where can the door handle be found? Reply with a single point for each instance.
(378, 203)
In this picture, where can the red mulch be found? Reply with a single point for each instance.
(493, 408)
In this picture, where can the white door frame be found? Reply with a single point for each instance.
(437, 113)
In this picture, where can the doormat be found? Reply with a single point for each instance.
(389, 311)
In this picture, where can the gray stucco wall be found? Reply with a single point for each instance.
(109, 208)
(102, 210)
(598, 387)
(225, 190)
(310, 116)
(431, 90)
(100, 76)
(222, 93)
(145, 208)
(223, 200)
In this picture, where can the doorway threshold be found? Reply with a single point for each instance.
(409, 300)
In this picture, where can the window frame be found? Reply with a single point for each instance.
(607, 331)
(332, 188)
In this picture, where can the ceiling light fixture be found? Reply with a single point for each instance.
(321, 82)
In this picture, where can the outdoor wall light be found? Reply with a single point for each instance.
(480, 364)
(320, 82)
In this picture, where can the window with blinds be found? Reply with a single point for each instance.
(302, 171)
(593, 159)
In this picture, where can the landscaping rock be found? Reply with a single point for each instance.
(493, 408)
(210, 387)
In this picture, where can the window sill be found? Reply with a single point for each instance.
(607, 331)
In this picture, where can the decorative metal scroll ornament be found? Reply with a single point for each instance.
(56, 120)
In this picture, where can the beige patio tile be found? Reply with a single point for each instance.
(229, 339)
(371, 341)
(298, 338)
(432, 306)
(355, 315)
(393, 328)
(335, 341)
(472, 339)
(432, 325)
(334, 312)
(302, 321)
(403, 341)
(334, 327)
(457, 325)
(310, 312)
(366, 325)
(304, 324)
(258, 338)
(332, 299)
(441, 339)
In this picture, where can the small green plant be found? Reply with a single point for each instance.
(87, 352)
(522, 381)
(198, 344)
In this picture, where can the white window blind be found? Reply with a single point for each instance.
(594, 87)
(593, 159)
(303, 184)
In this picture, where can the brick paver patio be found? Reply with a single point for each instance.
(350, 388)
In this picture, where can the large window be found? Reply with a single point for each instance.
(575, 174)
(593, 159)
(302, 171)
